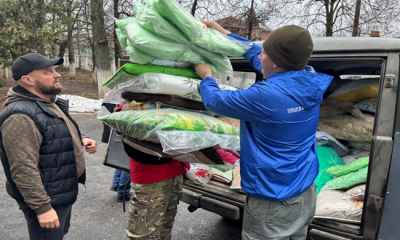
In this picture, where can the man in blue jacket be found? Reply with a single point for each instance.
(279, 119)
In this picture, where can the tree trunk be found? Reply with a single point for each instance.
(63, 47)
(61, 51)
(71, 57)
(117, 46)
(39, 22)
(101, 49)
(70, 40)
(329, 24)
(79, 55)
(194, 7)
(94, 65)
(251, 19)
(356, 19)
(6, 73)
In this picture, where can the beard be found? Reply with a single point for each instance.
(52, 90)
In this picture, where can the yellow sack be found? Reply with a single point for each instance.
(357, 91)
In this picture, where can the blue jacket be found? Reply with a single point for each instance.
(279, 119)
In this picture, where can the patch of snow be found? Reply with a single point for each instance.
(81, 104)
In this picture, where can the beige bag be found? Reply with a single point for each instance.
(347, 127)
(331, 205)
(356, 193)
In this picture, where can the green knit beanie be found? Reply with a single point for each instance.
(289, 47)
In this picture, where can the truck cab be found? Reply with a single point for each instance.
(347, 60)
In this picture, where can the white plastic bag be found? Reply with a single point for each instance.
(330, 205)
(355, 154)
(200, 174)
(356, 193)
(368, 105)
(158, 83)
(324, 139)
(347, 127)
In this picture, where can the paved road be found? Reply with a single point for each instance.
(97, 214)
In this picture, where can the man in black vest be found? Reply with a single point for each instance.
(41, 147)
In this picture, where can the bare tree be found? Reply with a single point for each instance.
(101, 48)
(117, 47)
(194, 7)
(356, 31)
(337, 17)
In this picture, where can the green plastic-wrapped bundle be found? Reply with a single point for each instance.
(174, 129)
(164, 33)
(122, 23)
(327, 157)
(150, 20)
(348, 168)
(140, 124)
(129, 70)
(159, 47)
(138, 56)
(206, 38)
(123, 40)
(349, 180)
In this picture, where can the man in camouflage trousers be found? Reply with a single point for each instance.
(153, 207)
(156, 188)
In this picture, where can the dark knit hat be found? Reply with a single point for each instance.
(289, 47)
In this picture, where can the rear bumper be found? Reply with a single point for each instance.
(196, 201)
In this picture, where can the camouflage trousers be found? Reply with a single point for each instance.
(152, 209)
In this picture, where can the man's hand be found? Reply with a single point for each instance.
(216, 26)
(203, 70)
(90, 145)
(49, 219)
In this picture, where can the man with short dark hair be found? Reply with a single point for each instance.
(279, 119)
(41, 147)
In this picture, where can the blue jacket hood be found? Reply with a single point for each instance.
(307, 87)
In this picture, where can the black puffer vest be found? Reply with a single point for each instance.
(57, 160)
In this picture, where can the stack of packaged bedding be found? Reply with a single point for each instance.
(164, 31)
(344, 145)
(163, 113)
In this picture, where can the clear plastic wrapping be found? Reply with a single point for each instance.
(368, 105)
(330, 205)
(149, 19)
(158, 83)
(349, 180)
(165, 30)
(199, 173)
(324, 139)
(327, 157)
(159, 47)
(177, 131)
(208, 39)
(357, 91)
(356, 193)
(348, 168)
(347, 127)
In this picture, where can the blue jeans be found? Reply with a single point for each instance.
(119, 181)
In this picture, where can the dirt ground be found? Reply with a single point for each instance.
(82, 86)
